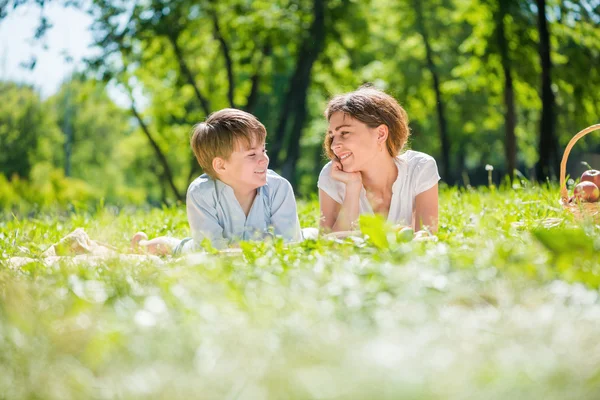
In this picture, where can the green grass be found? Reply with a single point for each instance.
(500, 307)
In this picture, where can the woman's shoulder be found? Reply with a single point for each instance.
(334, 189)
(325, 178)
(420, 170)
(412, 157)
(326, 170)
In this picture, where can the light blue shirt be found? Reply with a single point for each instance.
(215, 213)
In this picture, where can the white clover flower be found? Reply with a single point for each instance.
(489, 167)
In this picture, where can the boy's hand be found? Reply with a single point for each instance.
(349, 178)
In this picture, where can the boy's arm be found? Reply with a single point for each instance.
(284, 213)
(204, 222)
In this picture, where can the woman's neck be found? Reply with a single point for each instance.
(381, 174)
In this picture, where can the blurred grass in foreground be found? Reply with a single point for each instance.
(501, 306)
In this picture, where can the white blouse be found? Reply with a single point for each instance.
(417, 172)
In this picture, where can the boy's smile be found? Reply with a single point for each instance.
(246, 168)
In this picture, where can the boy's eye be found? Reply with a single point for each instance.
(344, 133)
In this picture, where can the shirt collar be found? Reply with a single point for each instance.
(221, 186)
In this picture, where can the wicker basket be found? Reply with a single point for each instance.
(580, 210)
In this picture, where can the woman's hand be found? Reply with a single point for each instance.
(349, 178)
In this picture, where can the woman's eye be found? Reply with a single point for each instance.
(251, 155)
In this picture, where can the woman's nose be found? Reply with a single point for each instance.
(335, 143)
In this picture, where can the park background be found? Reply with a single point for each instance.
(102, 112)
(502, 303)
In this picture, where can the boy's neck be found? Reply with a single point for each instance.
(380, 175)
(244, 196)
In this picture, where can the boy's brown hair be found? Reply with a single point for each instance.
(372, 107)
(223, 132)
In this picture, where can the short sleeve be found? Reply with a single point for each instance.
(203, 219)
(426, 174)
(284, 213)
(329, 185)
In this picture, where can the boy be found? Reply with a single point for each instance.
(237, 198)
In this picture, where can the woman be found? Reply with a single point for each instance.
(367, 172)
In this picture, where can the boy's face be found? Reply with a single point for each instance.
(246, 168)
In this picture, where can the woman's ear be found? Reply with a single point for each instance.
(218, 165)
(382, 133)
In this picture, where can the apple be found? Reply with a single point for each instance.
(586, 191)
(591, 175)
(405, 234)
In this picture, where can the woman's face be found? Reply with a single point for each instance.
(354, 144)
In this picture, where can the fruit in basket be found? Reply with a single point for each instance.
(591, 175)
(586, 191)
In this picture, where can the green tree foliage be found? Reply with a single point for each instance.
(468, 73)
(101, 143)
(28, 133)
(83, 108)
(76, 148)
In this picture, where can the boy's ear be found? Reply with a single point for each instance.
(218, 165)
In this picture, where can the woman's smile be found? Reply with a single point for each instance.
(344, 155)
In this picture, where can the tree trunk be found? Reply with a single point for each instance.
(310, 51)
(159, 154)
(294, 106)
(284, 118)
(548, 143)
(227, 57)
(442, 125)
(510, 116)
(187, 73)
(253, 95)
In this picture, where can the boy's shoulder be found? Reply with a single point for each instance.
(276, 184)
(276, 180)
(202, 186)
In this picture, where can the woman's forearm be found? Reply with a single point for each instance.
(348, 215)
